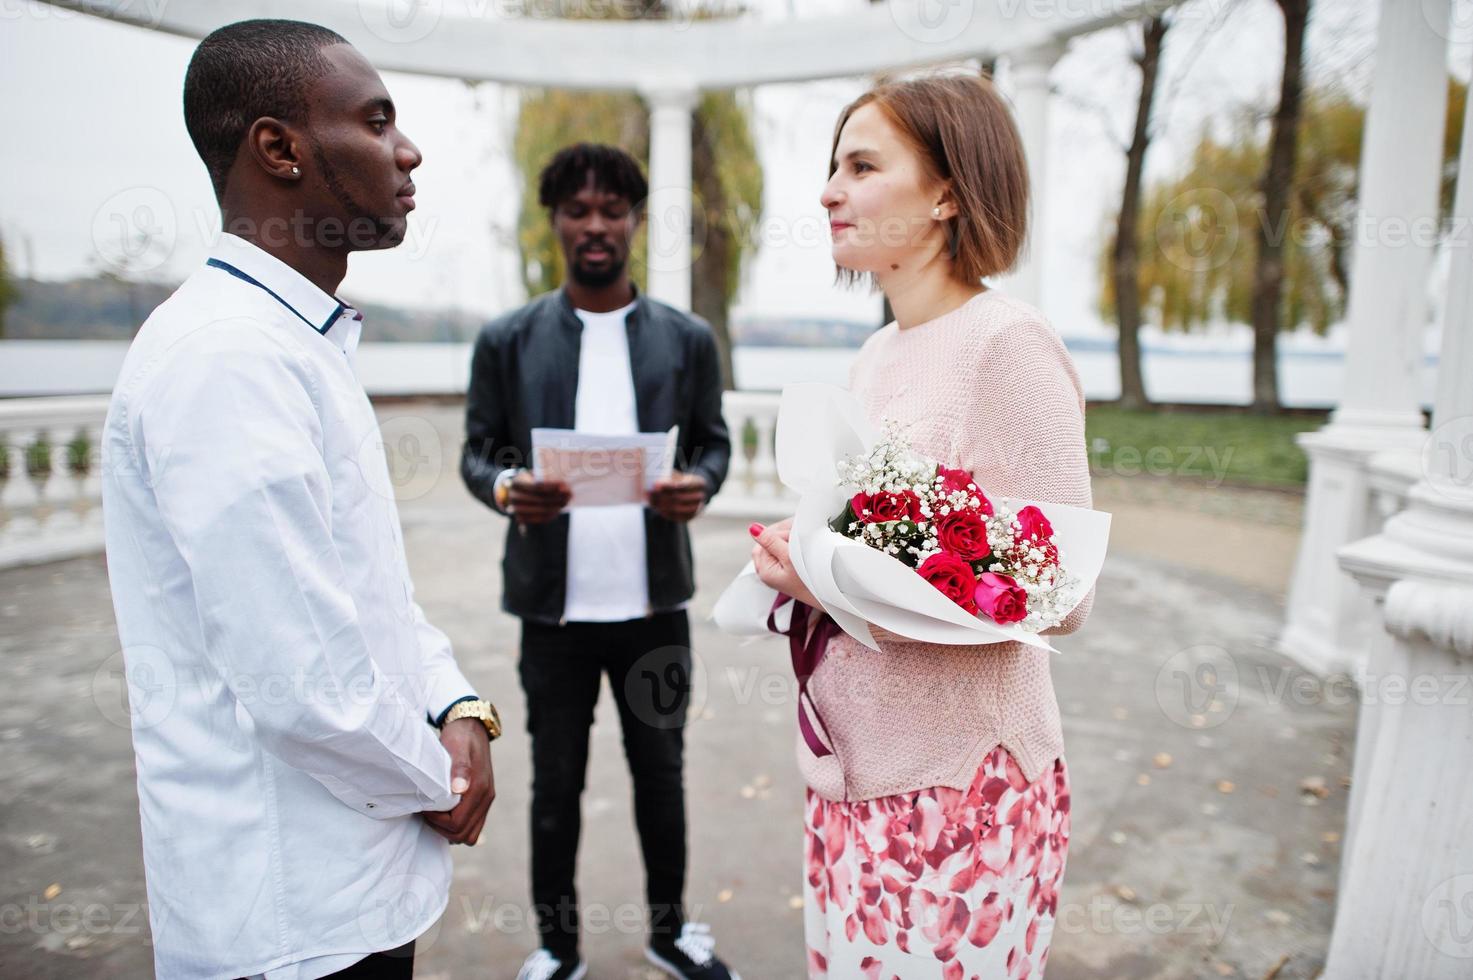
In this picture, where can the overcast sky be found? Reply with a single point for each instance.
(95, 131)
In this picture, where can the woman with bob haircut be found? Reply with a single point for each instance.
(937, 816)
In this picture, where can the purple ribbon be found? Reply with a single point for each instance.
(806, 647)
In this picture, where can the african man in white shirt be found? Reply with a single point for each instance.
(307, 747)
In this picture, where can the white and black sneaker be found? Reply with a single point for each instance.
(689, 956)
(542, 965)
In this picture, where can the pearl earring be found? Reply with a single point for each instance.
(936, 211)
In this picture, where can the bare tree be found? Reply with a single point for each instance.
(1125, 256)
(1273, 224)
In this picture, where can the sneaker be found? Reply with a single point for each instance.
(542, 965)
(690, 956)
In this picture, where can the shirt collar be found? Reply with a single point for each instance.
(325, 314)
(570, 312)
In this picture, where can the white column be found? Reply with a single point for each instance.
(1406, 899)
(1029, 71)
(1379, 410)
(669, 211)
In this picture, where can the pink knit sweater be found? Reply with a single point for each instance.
(989, 388)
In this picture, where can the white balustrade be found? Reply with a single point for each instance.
(50, 491)
(752, 487)
(51, 496)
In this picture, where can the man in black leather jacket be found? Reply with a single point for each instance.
(600, 589)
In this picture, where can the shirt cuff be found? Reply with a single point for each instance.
(439, 720)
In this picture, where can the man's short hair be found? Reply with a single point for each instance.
(245, 71)
(613, 170)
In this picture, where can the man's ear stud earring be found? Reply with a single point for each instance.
(297, 171)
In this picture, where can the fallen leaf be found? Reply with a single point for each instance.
(796, 902)
(724, 895)
(52, 891)
(1162, 760)
(1226, 786)
(1315, 785)
(1143, 779)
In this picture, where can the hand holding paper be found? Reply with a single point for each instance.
(679, 496)
(603, 470)
(534, 501)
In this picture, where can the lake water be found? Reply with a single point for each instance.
(1307, 379)
(1310, 374)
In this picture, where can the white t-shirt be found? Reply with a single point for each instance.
(608, 581)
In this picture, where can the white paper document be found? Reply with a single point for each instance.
(603, 470)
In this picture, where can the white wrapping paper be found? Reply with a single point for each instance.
(817, 427)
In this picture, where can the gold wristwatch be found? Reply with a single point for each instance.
(483, 711)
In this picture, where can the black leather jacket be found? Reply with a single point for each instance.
(524, 375)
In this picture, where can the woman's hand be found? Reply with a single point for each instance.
(775, 565)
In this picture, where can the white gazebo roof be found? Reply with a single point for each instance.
(425, 38)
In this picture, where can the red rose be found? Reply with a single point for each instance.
(873, 508)
(953, 577)
(964, 533)
(1035, 526)
(1000, 598)
(953, 480)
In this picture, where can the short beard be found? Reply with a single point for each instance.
(387, 233)
(596, 280)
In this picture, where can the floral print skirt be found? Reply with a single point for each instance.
(938, 883)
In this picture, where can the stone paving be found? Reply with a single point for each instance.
(1209, 779)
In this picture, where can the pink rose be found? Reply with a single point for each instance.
(873, 508)
(953, 577)
(964, 533)
(953, 480)
(1035, 525)
(1000, 598)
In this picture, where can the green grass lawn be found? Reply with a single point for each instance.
(1205, 446)
(1218, 447)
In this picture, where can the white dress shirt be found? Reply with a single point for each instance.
(280, 675)
(607, 579)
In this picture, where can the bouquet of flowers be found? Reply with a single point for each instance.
(884, 537)
(990, 559)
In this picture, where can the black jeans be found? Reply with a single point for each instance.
(391, 964)
(648, 662)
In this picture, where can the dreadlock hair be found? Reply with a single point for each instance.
(613, 170)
